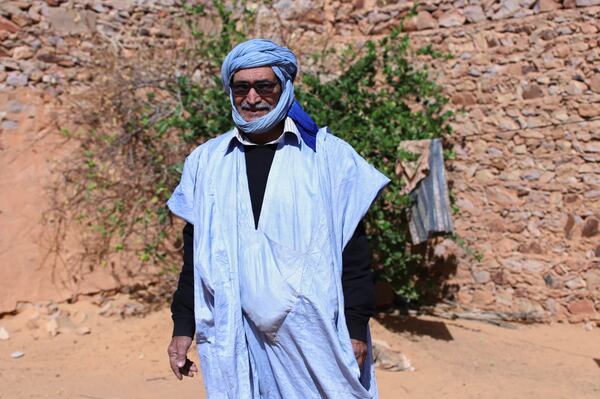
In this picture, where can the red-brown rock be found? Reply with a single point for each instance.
(581, 307)
(590, 227)
(8, 26)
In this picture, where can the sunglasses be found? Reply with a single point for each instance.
(262, 87)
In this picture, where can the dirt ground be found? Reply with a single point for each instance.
(108, 357)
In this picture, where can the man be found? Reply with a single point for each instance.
(272, 208)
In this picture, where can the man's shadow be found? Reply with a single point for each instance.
(432, 270)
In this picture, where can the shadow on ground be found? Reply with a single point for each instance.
(415, 326)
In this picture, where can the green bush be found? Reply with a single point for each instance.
(378, 100)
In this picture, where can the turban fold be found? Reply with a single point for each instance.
(258, 53)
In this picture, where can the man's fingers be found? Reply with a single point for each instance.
(174, 359)
(182, 349)
(188, 369)
(174, 367)
(177, 356)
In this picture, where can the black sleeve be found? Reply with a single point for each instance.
(357, 284)
(182, 307)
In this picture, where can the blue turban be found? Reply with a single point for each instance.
(258, 53)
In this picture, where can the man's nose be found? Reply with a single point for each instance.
(253, 97)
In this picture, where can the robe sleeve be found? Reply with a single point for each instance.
(182, 201)
(355, 185)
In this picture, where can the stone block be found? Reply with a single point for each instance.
(425, 20)
(592, 279)
(594, 82)
(72, 22)
(474, 13)
(581, 307)
(547, 5)
(532, 91)
(589, 110)
(451, 18)
(587, 3)
(7, 25)
(590, 227)
(481, 276)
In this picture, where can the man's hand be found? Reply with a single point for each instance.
(360, 351)
(177, 352)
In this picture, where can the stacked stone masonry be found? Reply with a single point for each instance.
(527, 171)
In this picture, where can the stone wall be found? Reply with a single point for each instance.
(527, 171)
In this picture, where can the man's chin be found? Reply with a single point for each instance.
(252, 116)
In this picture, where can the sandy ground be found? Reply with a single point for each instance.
(126, 358)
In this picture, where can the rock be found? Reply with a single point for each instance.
(8, 124)
(47, 56)
(425, 21)
(531, 247)
(52, 327)
(594, 83)
(531, 91)
(531, 174)
(122, 4)
(15, 107)
(17, 354)
(587, 3)
(16, 79)
(474, 14)
(4, 335)
(508, 8)
(387, 359)
(581, 307)
(7, 25)
(533, 266)
(23, 53)
(574, 283)
(592, 279)
(531, 310)
(72, 22)
(99, 8)
(502, 196)
(593, 194)
(9, 64)
(34, 15)
(55, 3)
(589, 110)
(36, 76)
(590, 227)
(547, 5)
(78, 317)
(484, 176)
(481, 276)
(451, 18)
(591, 147)
(482, 297)
(576, 88)
(83, 330)
(551, 281)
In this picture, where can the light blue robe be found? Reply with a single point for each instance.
(269, 302)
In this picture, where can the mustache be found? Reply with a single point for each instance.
(257, 107)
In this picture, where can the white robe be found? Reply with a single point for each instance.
(268, 302)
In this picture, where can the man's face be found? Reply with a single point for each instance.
(256, 91)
